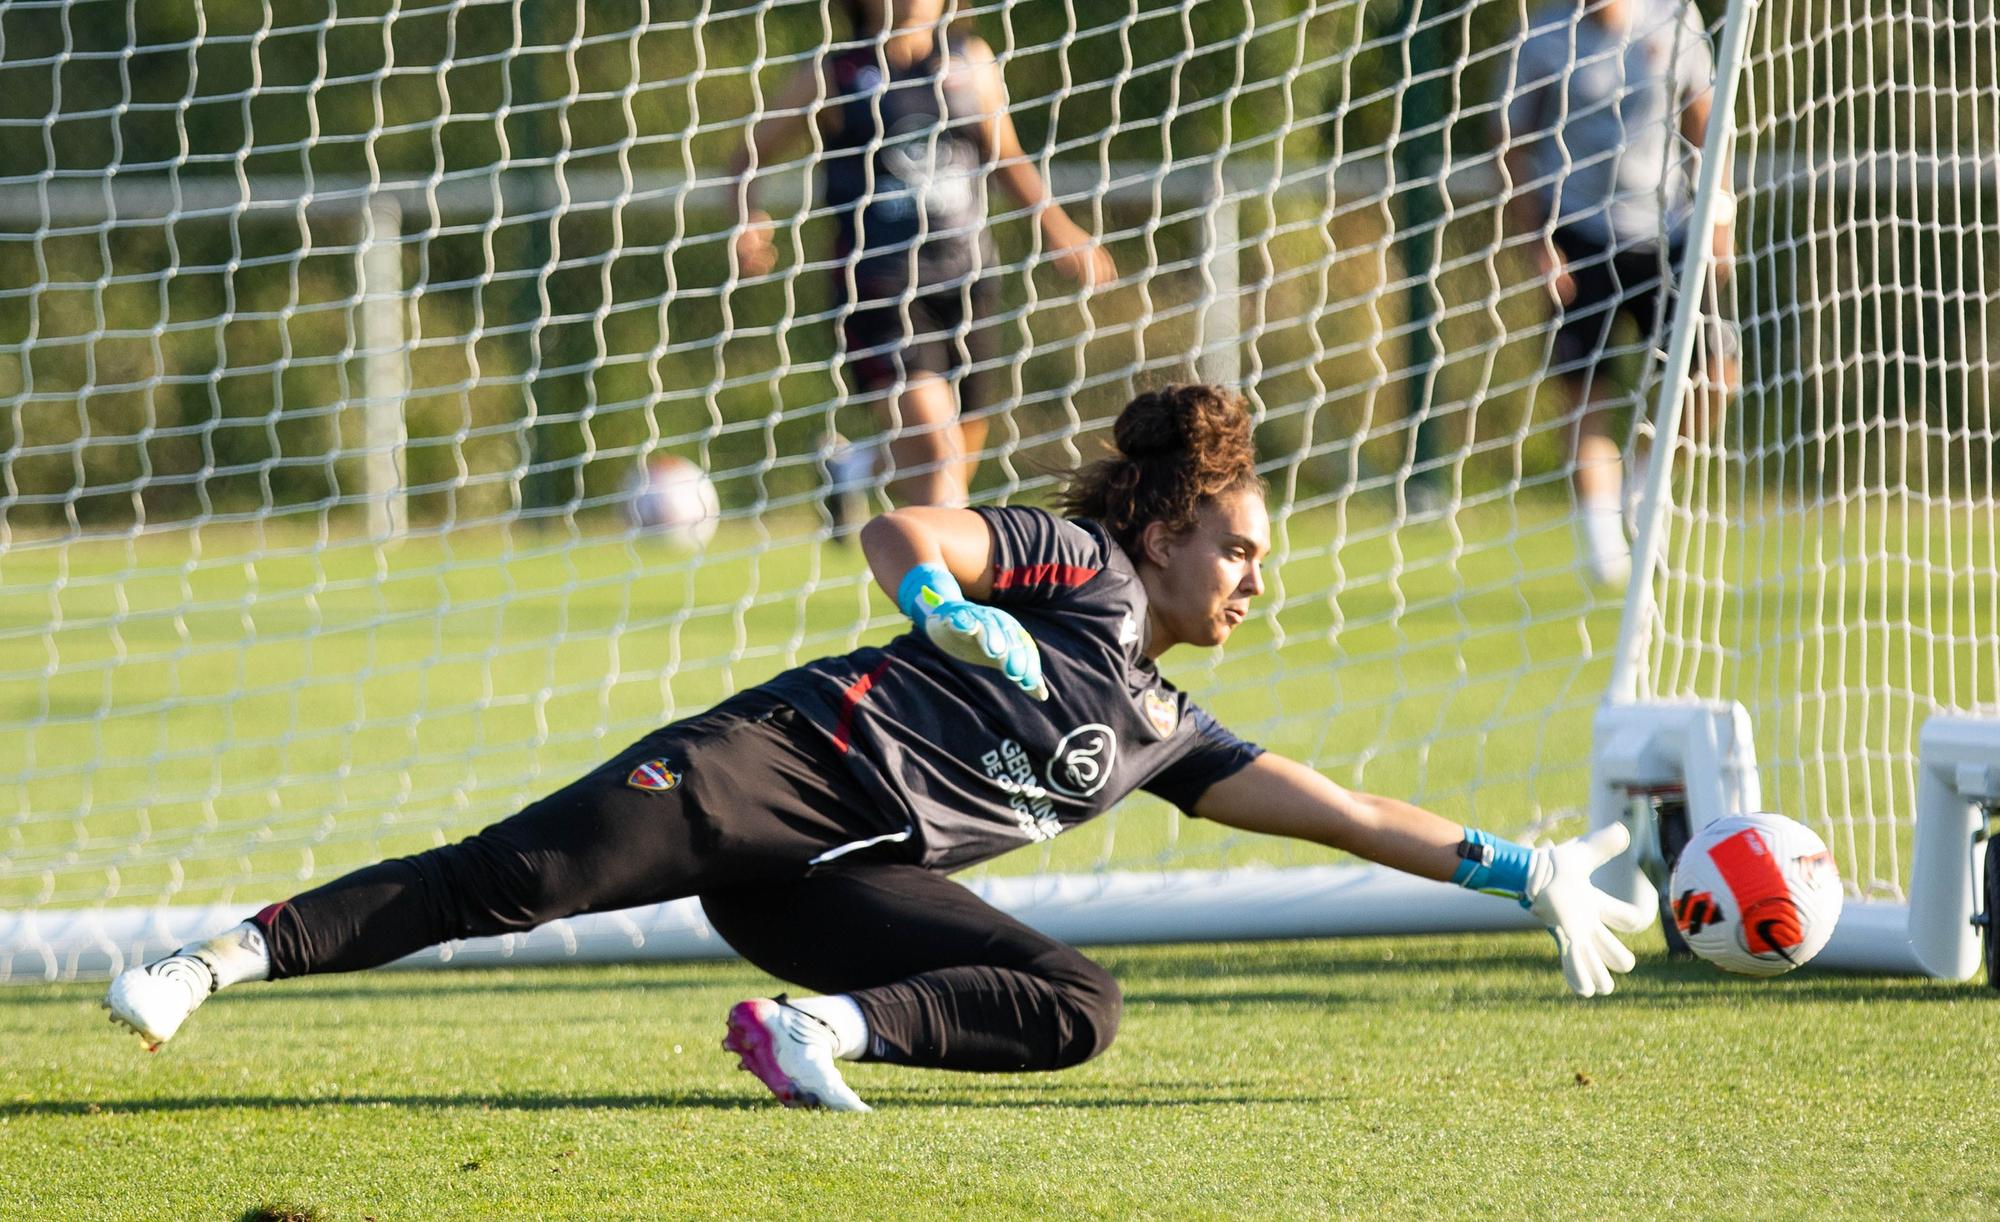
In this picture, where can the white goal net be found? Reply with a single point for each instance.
(1832, 552)
(333, 339)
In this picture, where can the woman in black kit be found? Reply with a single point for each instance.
(818, 814)
(909, 125)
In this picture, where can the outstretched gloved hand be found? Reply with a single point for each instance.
(971, 632)
(1580, 916)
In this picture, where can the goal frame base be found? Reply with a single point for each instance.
(1110, 908)
(1704, 749)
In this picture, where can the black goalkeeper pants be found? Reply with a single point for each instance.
(736, 806)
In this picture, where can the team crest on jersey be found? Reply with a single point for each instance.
(1162, 712)
(653, 776)
(1082, 762)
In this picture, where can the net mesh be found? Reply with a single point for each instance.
(1831, 555)
(333, 339)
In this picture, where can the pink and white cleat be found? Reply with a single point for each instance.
(791, 1052)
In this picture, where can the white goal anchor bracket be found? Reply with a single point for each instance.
(1958, 782)
(1703, 748)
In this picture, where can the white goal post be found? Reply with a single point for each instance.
(331, 342)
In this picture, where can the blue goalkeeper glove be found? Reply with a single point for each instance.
(1554, 884)
(970, 632)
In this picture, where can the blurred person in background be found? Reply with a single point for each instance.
(909, 126)
(1604, 108)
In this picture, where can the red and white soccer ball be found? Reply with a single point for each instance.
(1756, 894)
(673, 500)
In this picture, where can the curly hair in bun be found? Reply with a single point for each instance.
(1176, 449)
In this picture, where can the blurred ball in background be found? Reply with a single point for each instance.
(673, 500)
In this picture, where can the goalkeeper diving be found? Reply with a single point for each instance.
(817, 816)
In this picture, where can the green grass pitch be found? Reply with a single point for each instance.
(1413, 1077)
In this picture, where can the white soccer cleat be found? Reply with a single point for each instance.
(1609, 568)
(791, 1052)
(1606, 554)
(846, 471)
(154, 1000)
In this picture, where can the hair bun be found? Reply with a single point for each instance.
(1151, 433)
(1182, 421)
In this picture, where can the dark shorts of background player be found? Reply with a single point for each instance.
(1632, 280)
(893, 336)
(754, 824)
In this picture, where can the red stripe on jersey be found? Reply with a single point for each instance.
(1042, 574)
(850, 700)
(1763, 902)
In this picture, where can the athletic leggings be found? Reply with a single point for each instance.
(741, 802)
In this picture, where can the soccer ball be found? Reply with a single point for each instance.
(1756, 894)
(672, 499)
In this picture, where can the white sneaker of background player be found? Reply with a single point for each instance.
(791, 1052)
(847, 470)
(850, 468)
(1605, 551)
(155, 999)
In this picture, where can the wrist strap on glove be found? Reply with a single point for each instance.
(909, 593)
(1488, 863)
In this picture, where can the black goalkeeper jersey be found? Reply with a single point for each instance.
(967, 762)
